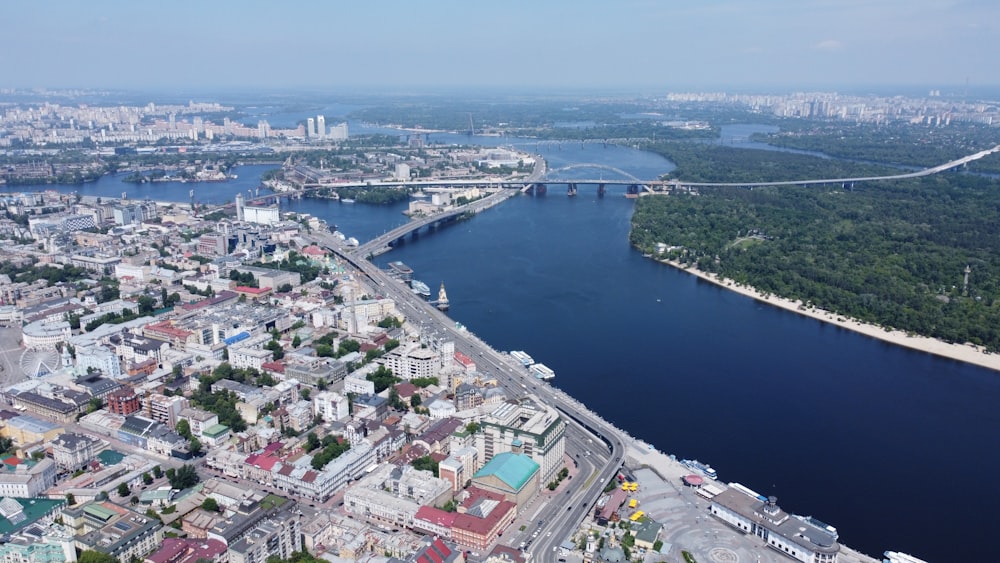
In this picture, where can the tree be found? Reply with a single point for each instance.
(184, 477)
(296, 342)
(304, 393)
(183, 428)
(70, 499)
(194, 446)
(415, 400)
(157, 472)
(123, 490)
(91, 556)
(210, 504)
(147, 479)
(94, 404)
(426, 463)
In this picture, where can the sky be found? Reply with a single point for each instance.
(537, 45)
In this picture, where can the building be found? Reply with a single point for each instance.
(437, 550)
(481, 518)
(246, 357)
(331, 406)
(101, 359)
(799, 537)
(49, 543)
(392, 495)
(280, 536)
(164, 409)
(72, 451)
(263, 215)
(416, 362)
(45, 336)
(528, 427)
(321, 126)
(267, 277)
(179, 550)
(123, 401)
(112, 529)
(58, 409)
(511, 474)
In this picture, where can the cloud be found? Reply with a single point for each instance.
(829, 45)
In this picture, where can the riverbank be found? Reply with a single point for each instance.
(967, 353)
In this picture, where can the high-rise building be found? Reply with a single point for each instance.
(310, 128)
(239, 207)
(321, 126)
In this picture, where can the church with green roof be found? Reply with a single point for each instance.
(513, 475)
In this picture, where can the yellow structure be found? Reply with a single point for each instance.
(638, 514)
(633, 503)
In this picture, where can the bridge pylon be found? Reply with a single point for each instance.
(571, 189)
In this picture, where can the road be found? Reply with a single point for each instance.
(560, 519)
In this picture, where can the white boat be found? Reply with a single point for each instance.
(703, 467)
(897, 557)
(542, 371)
(420, 288)
(345, 200)
(522, 357)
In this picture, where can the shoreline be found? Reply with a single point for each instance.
(966, 353)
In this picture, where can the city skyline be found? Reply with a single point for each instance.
(399, 46)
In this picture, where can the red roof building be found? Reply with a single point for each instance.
(481, 518)
(178, 550)
(124, 401)
(434, 521)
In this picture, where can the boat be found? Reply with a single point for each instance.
(401, 270)
(420, 288)
(898, 557)
(703, 467)
(345, 200)
(352, 242)
(542, 371)
(522, 357)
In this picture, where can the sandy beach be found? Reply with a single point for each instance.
(960, 352)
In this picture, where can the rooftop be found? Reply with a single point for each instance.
(513, 469)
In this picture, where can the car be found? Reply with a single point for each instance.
(568, 508)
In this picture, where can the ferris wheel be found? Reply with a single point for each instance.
(36, 363)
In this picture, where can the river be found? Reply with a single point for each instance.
(893, 447)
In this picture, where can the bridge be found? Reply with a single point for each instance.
(382, 243)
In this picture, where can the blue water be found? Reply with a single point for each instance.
(112, 186)
(866, 436)
(893, 447)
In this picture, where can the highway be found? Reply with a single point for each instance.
(606, 443)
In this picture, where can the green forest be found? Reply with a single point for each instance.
(889, 253)
(896, 143)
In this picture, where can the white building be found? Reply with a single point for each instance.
(244, 358)
(28, 481)
(796, 536)
(269, 215)
(331, 406)
(99, 358)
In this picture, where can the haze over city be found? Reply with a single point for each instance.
(530, 46)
